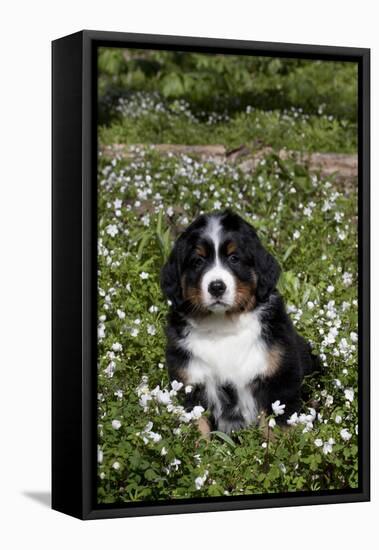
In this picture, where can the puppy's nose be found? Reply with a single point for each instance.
(217, 288)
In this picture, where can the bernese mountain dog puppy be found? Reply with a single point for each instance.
(228, 334)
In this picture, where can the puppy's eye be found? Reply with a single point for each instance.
(198, 261)
(233, 259)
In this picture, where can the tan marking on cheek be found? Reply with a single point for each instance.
(244, 299)
(195, 297)
(232, 247)
(200, 250)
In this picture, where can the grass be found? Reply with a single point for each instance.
(291, 130)
(147, 448)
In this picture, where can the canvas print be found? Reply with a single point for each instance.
(227, 268)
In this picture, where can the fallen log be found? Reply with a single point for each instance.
(345, 166)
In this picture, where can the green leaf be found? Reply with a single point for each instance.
(288, 252)
(150, 474)
(224, 437)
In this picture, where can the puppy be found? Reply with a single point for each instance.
(228, 334)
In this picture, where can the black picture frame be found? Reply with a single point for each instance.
(74, 371)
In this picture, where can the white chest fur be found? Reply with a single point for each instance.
(227, 351)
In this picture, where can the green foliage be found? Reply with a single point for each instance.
(264, 101)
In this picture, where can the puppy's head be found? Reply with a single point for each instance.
(219, 265)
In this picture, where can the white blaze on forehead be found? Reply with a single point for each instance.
(217, 272)
(213, 231)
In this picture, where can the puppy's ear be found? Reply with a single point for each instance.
(170, 278)
(268, 271)
(265, 265)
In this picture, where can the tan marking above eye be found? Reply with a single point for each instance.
(231, 247)
(200, 250)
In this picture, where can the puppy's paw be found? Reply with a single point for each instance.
(204, 428)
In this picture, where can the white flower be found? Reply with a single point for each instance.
(163, 451)
(200, 480)
(330, 289)
(151, 330)
(160, 365)
(312, 414)
(349, 394)
(144, 399)
(176, 386)
(328, 446)
(100, 455)
(345, 434)
(197, 411)
(308, 427)
(338, 419)
(264, 444)
(278, 408)
(185, 417)
(148, 426)
(354, 337)
(116, 424)
(109, 371)
(144, 275)
(163, 397)
(217, 205)
(137, 321)
(112, 230)
(319, 442)
(119, 394)
(188, 389)
(272, 423)
(310, 305)
(296, 234)
(155, 437)
(147, 434)
(116, 465)
(146, 220)
(175, 464)
(170, 211)
(307, 211)
(121, 314)
(329, 401)
(101, 331)
(117, 346)
(153, 309)
(347, 278)
(134, 332)
(293, 419)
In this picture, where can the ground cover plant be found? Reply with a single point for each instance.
(149, 447)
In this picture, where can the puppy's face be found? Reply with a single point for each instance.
(217, 274)
(216, 266)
